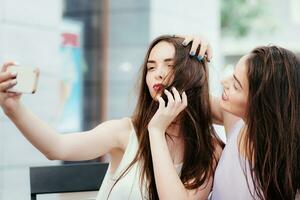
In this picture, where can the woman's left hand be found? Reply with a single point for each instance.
(166, 114)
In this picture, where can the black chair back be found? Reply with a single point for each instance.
(66, 178)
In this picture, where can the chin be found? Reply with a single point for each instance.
(223, 104)
(226, 107)
(155, 97)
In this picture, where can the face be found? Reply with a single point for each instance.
(160, 68)
(235, 93)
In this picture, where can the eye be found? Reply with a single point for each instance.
(234, 86)
(150, 68)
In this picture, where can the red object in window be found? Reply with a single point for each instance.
(70, 39)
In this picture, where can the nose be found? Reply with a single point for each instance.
(224, 82)
(160, 73)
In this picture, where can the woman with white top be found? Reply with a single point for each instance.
(168, 148)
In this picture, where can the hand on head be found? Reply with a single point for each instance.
(198, 42)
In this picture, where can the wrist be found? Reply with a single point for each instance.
(11, 110)
(156, 131)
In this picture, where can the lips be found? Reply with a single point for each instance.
(158, 87)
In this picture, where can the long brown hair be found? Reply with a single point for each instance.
(200, 139)
(273, 122)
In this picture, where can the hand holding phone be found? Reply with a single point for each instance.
(27, 79)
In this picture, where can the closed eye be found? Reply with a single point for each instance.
(234, 86)
(237, 80)
(150, 68)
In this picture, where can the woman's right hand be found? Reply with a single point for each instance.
(205, 50)
(165, 114)
(8, 100)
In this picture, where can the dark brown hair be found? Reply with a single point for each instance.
(273, 122)
(200, 139)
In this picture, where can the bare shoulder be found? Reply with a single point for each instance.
(118, 125)
(125, 129)
(117, 129)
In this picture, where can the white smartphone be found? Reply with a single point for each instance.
(27, 79)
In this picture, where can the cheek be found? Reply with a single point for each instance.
(149, 85)
(168, 79)
(171, 79)
(241, 99)
(148, 80)
(236, 97)
(239, 104)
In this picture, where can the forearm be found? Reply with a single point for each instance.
(168, 183)
(42, 136)
(216, 110)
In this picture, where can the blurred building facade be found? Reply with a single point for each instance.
(268, 22)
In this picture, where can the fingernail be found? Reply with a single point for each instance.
(184, 43)
(16, 63)
(192, 53)
(199, 58)
(14, 73)
(13, 82)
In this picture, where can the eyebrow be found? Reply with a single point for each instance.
(237, 81)
(165, 60)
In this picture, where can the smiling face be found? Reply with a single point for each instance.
(236, 88)
(160, 68)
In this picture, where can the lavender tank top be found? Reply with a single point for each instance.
(230, 182)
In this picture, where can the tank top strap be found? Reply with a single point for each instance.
(129, 154)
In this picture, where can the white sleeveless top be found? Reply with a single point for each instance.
(230, 182)
(128, 187)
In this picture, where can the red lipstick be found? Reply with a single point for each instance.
(158, 87)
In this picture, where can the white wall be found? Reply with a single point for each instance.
(29, 34)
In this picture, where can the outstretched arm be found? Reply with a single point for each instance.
(76, 146)
(219, 116)
(73, 146)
